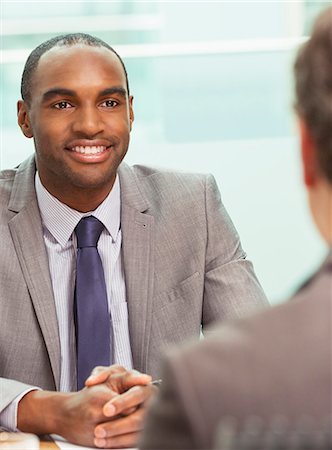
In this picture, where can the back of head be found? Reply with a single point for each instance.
(313, 78)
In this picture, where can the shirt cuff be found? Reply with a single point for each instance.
(8, 416)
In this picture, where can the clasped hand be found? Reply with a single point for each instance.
(107, 413)
(122, 415)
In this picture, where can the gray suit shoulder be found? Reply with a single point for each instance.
(6, 183)
(147, 171)
(23, 173)
(319, 285)
(169, 189)
(7, 174)
(163, 177)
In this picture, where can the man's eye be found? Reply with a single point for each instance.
(62, 105)
(109, 103)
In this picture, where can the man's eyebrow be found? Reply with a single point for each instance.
(114, 90)
(55, 92)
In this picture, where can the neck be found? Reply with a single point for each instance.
(82, 200)
(84, 203)
(320, 199)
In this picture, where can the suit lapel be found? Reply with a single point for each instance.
(138, 255)
(26, 230)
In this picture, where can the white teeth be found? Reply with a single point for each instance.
(87, 150)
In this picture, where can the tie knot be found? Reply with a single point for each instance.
(88, 231)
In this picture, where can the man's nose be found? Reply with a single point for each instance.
(88, 121)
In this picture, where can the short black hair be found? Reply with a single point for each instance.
(61, 40)
(313, 79)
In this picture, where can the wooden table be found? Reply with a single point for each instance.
(48, 445)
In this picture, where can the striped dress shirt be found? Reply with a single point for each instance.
(59, 222)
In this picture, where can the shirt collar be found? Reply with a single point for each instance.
(60, 220)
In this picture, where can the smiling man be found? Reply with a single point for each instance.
(102, 263)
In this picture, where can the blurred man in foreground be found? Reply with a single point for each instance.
(276, 363)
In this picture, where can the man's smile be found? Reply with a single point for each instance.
(89, 150)
(93, 152)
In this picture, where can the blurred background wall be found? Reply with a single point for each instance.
(212, 85)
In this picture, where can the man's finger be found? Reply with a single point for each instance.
(132, 398)
(123, 382)
(121, 426)
(100, 374)
(123, 441)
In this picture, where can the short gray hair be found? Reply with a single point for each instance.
(313, 79)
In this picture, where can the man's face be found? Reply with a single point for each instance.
(80, 117)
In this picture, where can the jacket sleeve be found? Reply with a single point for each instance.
(231, 288)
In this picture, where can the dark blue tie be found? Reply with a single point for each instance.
(92, 318)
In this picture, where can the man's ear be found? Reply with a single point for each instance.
(131, 111)
(309, 155)
(23, 119)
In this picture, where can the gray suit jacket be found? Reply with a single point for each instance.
(183, 263)
(277, 362)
